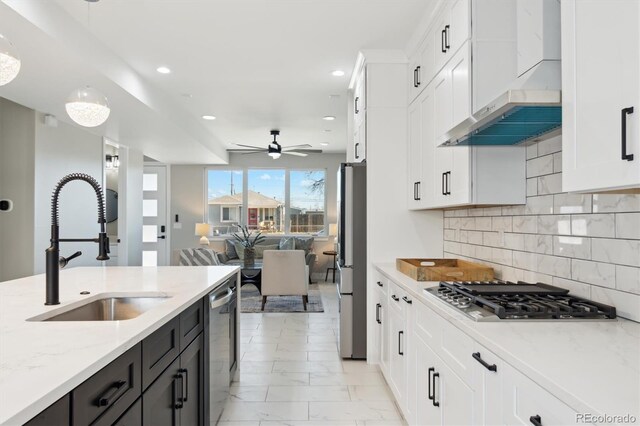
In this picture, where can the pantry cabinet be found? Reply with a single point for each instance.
(358, 145)
(380, 335)
(600, 116)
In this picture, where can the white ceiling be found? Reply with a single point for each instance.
(254, 64)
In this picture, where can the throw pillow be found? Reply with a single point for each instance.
(287, 243)
(261, 248)
(304, 243)
(198, 257)
(230, 248)
(239, 249)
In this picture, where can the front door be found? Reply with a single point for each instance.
(253, 217)
(154, 216)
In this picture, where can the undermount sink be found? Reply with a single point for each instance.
(109, 309)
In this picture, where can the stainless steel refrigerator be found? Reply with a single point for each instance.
(352, 260)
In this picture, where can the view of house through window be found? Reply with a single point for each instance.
(266, 206)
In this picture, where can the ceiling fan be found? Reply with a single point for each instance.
(274, 149)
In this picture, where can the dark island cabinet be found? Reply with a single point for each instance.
(159, 381)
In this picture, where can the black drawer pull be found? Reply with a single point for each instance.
(406, 299)
(435, 403)
(442, 47)
(400, 352)
(185, 382)
(356, 104)
(418, 82)
(379, 284)
(625, 112)
(108, 397)
(415, 77)
(378, 306)
(443, 191)
(429, 394)
(536, 420)
(446, 37)
(394, 297)
(178, 403)
(490, 367)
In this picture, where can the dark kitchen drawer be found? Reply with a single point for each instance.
(159, 350)
(106, 395)
(191, 323)
(56, 414)
(133, 416)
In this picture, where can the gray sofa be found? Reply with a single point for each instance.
(231, 256)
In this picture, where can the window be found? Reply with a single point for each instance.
(307, 205)
(266, 200)
(224, 200)
(277, 201)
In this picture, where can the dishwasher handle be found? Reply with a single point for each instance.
(215, 301)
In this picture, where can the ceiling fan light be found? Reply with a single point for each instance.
(88, 107)
(9, 61)
(274, 155)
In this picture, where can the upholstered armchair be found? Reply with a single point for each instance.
(285, 273)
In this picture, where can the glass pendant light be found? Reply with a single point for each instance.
(88, 107)
(9, 61)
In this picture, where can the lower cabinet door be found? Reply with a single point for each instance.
(56, 414)
(397, 365)
(161, 401)
(133, 416)
(454, 396)
(427, 413)
(192, 397)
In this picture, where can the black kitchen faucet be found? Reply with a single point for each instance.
(53, 259)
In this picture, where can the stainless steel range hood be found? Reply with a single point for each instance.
(516, 117)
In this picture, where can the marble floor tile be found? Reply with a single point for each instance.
(308, 393)
(358, 378)
(257, 366)
(354, 410)
(370, 393)
(279, 339)
(354, 366)
(248, 393)
(307, 366)
(259, 347)
(244, 423)
(282, 379)
(274, 356)
(235, 411)
(324, 356)
(322, 339)
(308, 423)
(309, 347)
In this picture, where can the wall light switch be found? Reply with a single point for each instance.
(177, 225)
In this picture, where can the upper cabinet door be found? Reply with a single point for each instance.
(459, 29)
(601, 95)
(415, 155)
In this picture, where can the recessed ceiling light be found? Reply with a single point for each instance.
(328, 117)
(327, 130)
(208, 117)
(163, 70)
(337, 73)
(187, 95)
(324, 143)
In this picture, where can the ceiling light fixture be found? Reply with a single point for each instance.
(337, 73)
(163, 70)
(9, 61)
(88, 107)
(328, 117)
(208, 117)
(324, 143)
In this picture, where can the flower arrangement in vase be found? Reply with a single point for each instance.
(249, 240)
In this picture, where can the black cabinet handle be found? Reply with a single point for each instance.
(378, 306)
(185, 383)
(415, 77)
(625, 113)
(443, 192)
(358, 144)
(446, 37)
(418, 197)
(110, 394)
(414, 191)
(435, 403)
(355, 101)
(442, 47)
(406, 299)
(418, 82)
(448, 178)
(178, 400)
(380, 284)
(394, 297)
(429, 394)
(490, 367)
(536, 420)
(400, 333)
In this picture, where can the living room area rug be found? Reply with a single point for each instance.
(251, 301)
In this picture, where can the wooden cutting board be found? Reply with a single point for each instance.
(444, 270)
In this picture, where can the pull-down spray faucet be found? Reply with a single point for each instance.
(53, 259)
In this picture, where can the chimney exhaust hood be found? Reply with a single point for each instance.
(517, 117)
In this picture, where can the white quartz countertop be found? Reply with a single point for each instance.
(593, 366)
(42, 361)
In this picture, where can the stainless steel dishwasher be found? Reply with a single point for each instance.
(222, 340)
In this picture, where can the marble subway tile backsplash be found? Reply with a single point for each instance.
(588, 243)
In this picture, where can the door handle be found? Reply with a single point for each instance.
(536, 420)
(415, 77)
(161, 237)
(490, 367)
(435, 403)
(414, 191)
(443, 192)
(185, 382)
(418, 191)
(429, 394)
(418, 76)
(378, 306)
(623, 139)
(400, 333)
(448, 176)
(357, 156)
(356, 104)
(178, 400)
(446, 37)
(442, 47)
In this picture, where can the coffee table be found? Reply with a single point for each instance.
(252, 275)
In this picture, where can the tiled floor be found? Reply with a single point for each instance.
(291, 374)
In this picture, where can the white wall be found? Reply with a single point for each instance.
(59, 151)
(188, 195)
(130, 250)
(16, 183)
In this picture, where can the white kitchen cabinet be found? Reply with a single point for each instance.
(414, 154)
(487, 370)
(380, 324)
(358, 146)
(421, 151)
(600, 115)
(426, 413)
(450, 30)
(397, 363)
